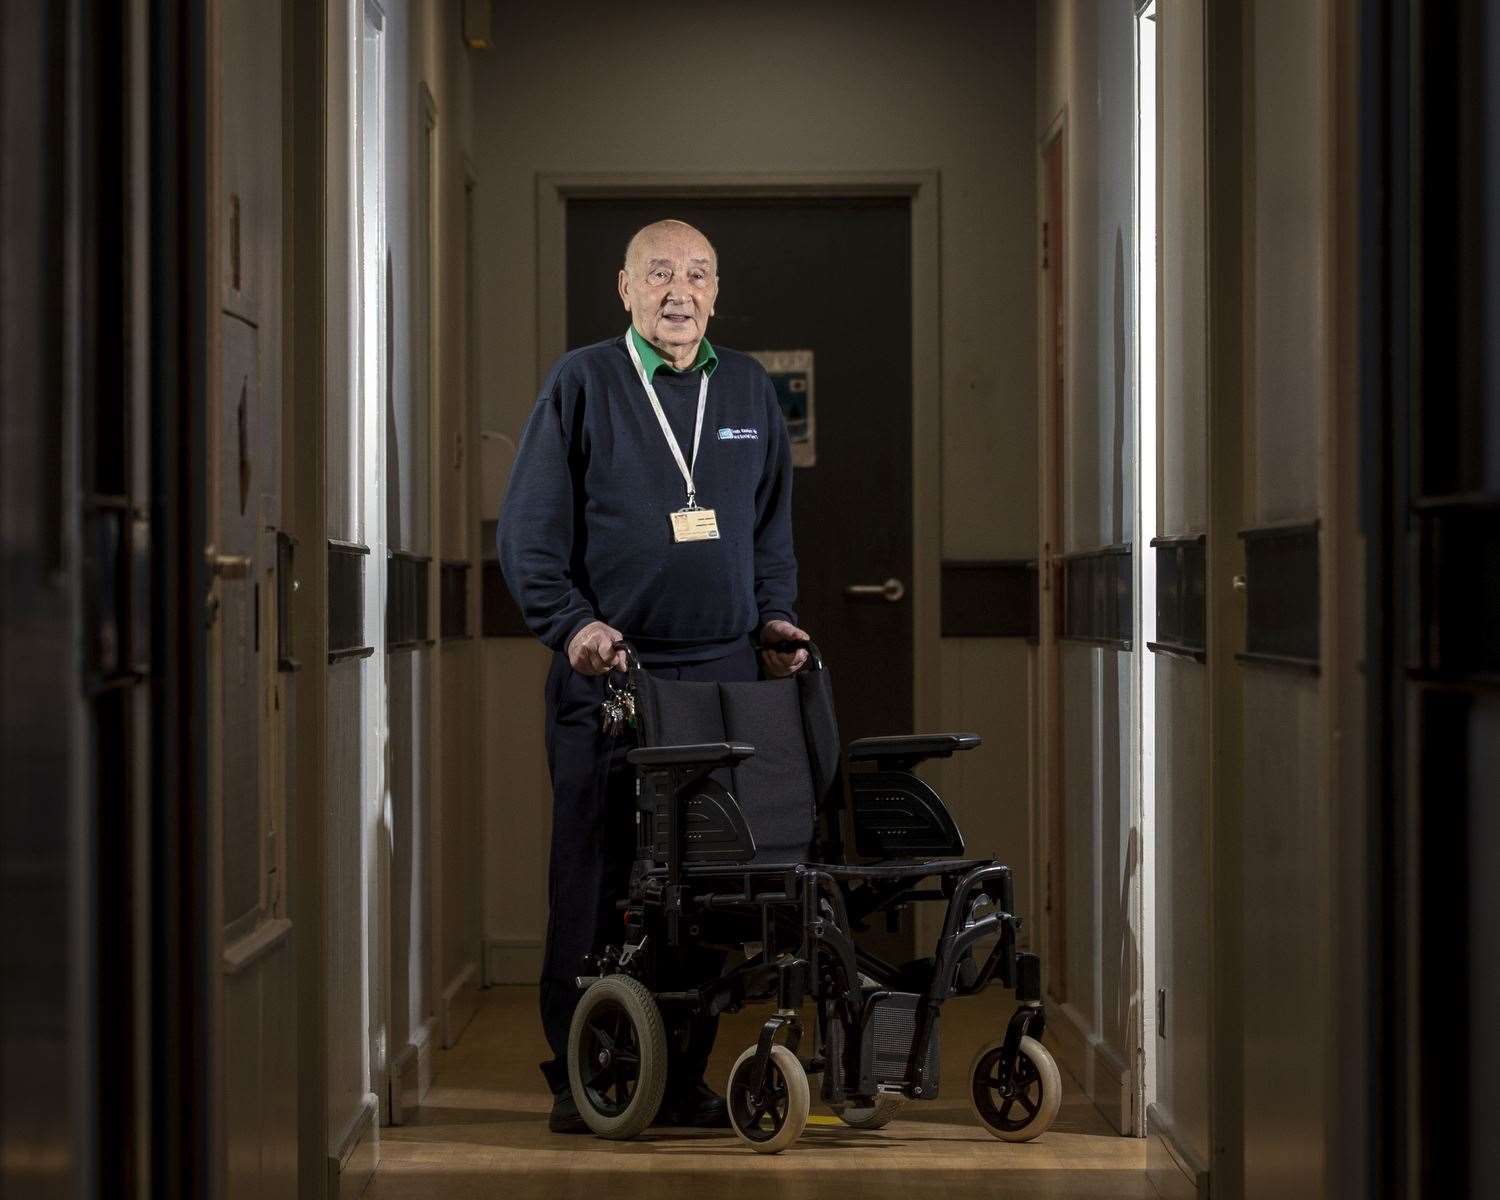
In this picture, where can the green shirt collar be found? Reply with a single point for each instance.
(652, 360)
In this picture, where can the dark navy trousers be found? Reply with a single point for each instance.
(593, 844)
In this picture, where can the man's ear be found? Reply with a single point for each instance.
(624, 286)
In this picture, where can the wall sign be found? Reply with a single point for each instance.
(791, 371)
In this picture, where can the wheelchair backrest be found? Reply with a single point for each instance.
(790, 722)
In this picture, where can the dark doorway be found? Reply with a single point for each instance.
(831, 276)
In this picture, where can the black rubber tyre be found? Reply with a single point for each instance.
(617, 1057)
(782, 1116)
(1032, 1107)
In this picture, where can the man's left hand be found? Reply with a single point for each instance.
(778, 664)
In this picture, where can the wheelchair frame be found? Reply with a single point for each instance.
(807, 920)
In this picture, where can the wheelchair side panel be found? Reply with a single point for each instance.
(897, 815)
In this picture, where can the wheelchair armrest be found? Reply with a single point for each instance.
(906, 751)
(705, 754)
(689, 817)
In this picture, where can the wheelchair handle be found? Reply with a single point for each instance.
(792, 645)
(786, 646)
(632, 659)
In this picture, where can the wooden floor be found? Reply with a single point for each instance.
(482, 1132)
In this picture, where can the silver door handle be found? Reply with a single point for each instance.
(892, 589)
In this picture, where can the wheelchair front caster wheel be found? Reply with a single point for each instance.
(778, 1120)
(871, 1116)
(1035, 1091)
(617, 1057)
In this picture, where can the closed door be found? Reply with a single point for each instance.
(258, 1064)
(830, 277)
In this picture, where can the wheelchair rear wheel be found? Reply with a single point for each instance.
(778, 1120)
(617, 1057)
(871, 1116)
(1036, 1091)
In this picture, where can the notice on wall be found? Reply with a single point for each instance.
(791, 371)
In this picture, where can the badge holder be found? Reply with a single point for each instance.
(694, 524)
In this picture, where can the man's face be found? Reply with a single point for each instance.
(669, 285)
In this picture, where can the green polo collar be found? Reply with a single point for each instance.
(652, 360)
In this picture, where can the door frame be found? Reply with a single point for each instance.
(554, 190)
(1051, 534)
(1226, 246)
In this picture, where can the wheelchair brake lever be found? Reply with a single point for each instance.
(629, 952)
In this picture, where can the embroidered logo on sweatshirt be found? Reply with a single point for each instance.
(738, 435)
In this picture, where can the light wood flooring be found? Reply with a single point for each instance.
(482, 1131)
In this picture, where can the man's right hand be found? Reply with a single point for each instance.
(592, 651)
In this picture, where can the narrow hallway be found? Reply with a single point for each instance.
(481, 1131)
(963, 538)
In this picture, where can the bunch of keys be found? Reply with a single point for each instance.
(618, 709)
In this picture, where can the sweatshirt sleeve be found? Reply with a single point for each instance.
(535, 532)
(775, 560)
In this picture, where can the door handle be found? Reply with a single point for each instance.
(892, 589)
(228, 566)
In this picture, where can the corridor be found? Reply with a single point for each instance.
(529, 527)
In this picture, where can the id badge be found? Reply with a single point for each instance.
(695, 525)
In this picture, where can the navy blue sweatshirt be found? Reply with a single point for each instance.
(585, 531)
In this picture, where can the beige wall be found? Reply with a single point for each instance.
(1085, 85)
(401, 887)
(783, 88)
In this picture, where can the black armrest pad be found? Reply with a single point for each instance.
(706, 754)
(911, 747)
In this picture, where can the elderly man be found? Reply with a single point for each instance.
(625, 520)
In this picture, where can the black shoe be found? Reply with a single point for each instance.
(565, 1117)
(698, 1107)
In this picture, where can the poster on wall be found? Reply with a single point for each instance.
(791, 371)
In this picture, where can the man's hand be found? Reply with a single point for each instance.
(777, 664)
(591, 650)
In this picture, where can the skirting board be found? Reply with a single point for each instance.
(1174, 1172)
(1099, 1070)
(459, 1004)
(358, 1154)
(512, 960)
(411, 1074)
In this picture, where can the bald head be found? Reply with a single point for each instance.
(668, 286)
(670, 230)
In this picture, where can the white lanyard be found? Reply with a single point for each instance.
(661, 419)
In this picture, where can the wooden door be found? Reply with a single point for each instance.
(258, 1062)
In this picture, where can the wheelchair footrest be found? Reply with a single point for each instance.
(894, 1048)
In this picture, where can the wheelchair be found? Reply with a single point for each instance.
(743, 802)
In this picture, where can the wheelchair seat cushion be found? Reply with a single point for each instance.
(790, 724)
